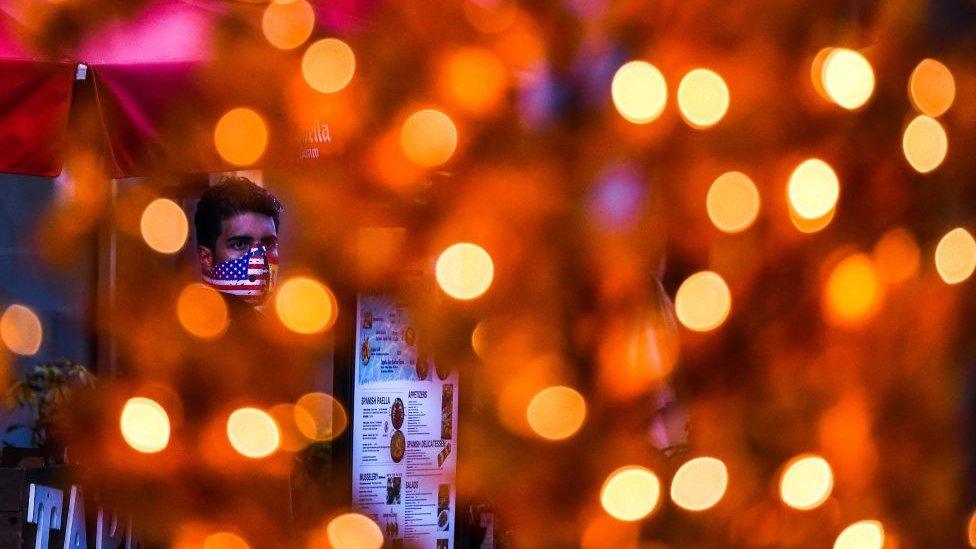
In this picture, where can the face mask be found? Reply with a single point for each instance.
(251, 277)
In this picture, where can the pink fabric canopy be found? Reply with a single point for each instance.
(145, 70)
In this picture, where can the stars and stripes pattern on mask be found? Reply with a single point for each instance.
(250, 277)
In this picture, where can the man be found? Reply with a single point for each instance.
(236, 225)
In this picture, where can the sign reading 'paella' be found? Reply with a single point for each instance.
(404, 429)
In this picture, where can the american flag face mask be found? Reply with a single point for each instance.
(251, 277)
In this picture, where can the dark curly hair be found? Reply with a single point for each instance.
(232, 195)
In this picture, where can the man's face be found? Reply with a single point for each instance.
(238, 234)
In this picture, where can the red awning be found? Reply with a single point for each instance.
(145, 70)
(35, 96)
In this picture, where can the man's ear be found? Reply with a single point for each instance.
(205, 257)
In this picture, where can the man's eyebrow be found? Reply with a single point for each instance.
(239, 237)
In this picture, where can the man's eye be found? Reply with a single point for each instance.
(239, 245)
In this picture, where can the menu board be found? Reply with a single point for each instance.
(405, 409)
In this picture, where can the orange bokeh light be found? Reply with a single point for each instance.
(474, 80)
(631, 493)
(202, 311)
(21, 330)
(428, 138)
(328, 65)
(464, 271)
(306, 306)
(854, 292)
(806, 482)
(354, 531)
(931, 88)
(164, 226)
(287, 25)
(556, 413)
(241, 136)
(253, 432)
(145, 425)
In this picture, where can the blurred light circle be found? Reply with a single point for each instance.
(164, 226)
(224, 540)
(253, 433)
(806, 482)
(292, 421)
(639, 92)
(428, 138)
(287, 25)
(703, 301)
(474, 80)
(854, 291)
(556, 413)
(955, 256)
(813, 189)
(464, 271)
(848, 78)
(931, 88)
(241, 136)
(20, 330)
(630, 493)
(202, 311)
(925, 143)
(306, 306)
(732, 202)
(354, 531)
(328, 65)
(897, 256)
(866, 534)
(703, 98)
(145, 425)
(699, 483)
(319, 416)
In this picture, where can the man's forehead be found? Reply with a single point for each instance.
(248, 223)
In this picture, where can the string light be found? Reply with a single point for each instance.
(164, 226)
(848, 78)
(703, 98)
(328, 65)
(806, 482)
(464, 271)
(306, 306)
(732, 202)
(639, 92)
(354, 531)
(703, 301)
(429, 138)
(21, 330)
(630, 493)
(699, 483)
(253, 432)
(287, 25)
(931, 88)
(145, 425)
(866, 534)
(813, 189)
(925, 143)
(556, 413)
(955, 256)
(241, 136)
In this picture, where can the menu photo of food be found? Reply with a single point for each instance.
(397, 413)
(443, 506)
(398, 446)
(447, 411)
(393, 484)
